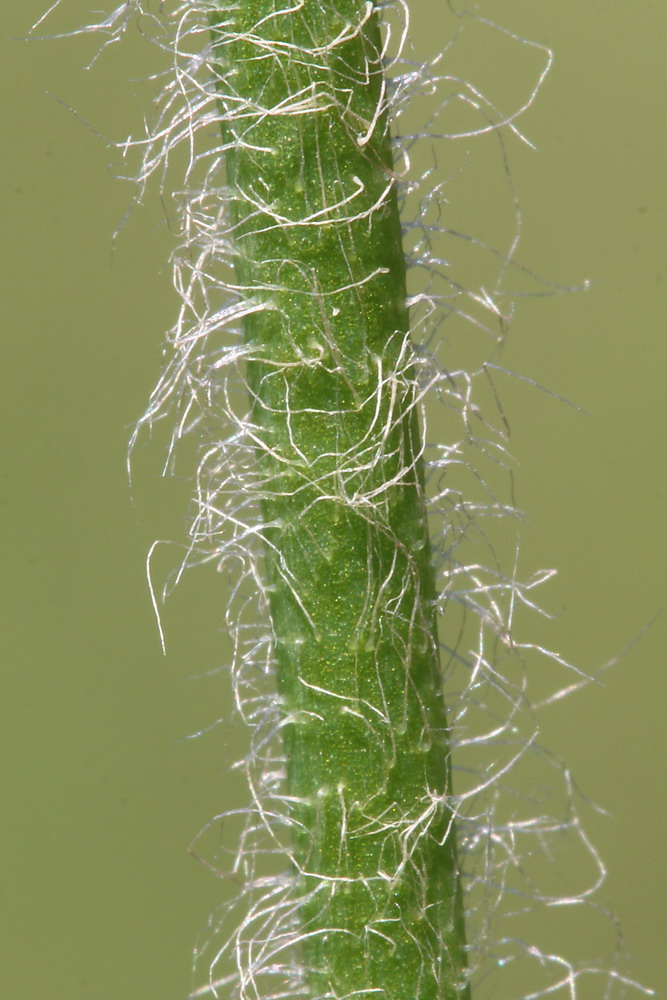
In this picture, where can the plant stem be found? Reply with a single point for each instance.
(334, 414)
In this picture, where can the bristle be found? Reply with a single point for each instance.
(515, 808)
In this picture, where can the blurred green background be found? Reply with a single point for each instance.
(101, 793)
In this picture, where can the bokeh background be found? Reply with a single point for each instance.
(101, 790)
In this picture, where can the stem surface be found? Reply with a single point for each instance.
(334, 413)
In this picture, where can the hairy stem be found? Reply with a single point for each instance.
(334, 414)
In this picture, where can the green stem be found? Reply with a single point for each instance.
(334, 414)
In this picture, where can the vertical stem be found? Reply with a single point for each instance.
(335, 417)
